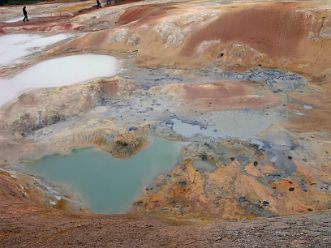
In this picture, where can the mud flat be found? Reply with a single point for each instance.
(236, 124)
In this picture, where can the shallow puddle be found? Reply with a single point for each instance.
(58, 72)
(185, 129)
(107, 184)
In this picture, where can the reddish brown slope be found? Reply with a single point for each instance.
(275, 30)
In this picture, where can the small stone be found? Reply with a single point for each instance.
(221, 55)
(203, 156)
(182, 183)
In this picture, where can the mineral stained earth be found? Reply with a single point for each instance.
(244, 85)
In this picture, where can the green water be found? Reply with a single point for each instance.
(107, 184)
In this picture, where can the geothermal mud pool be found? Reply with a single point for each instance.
(134, 105)
(107, 184)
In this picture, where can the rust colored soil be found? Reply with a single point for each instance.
(13, 199)
(142, 13)
(23, 224)
(275, 30)
(316, 119)
(109, 88)
(225, 95)
(214, 91)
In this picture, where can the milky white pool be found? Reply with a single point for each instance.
(15, 47)
(58, 72)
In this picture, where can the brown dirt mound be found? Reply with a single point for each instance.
(275, 30)
(142, 13)
(123, 145)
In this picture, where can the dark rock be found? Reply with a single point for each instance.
(121, 143)
(182, 183)
(203, 156)
(220, 55)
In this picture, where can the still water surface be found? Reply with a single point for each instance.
(105, 183)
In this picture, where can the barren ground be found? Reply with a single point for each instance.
(245, 85)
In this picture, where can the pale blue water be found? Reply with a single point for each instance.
(108, 184)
